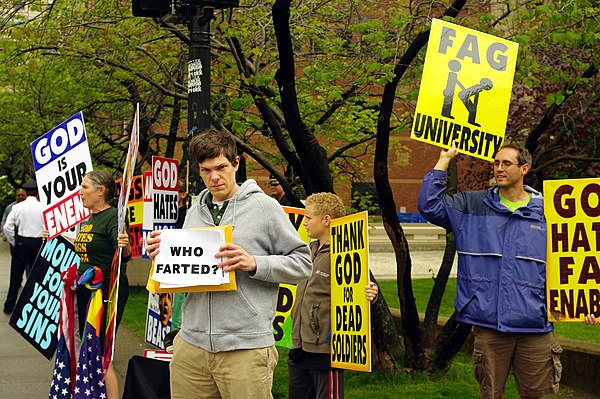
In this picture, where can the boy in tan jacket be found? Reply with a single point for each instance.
(310, 374)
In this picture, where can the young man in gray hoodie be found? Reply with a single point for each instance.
(226, 347)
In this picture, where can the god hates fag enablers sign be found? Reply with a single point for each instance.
(350, 310)
(465, 90)
(572, 210)
(61, 158)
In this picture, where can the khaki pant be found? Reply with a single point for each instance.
(534, 359)
(237, 374)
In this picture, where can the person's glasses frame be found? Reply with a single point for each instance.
(506, 164)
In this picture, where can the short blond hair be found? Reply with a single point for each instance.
(326, 204)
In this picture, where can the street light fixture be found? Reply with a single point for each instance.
(197, 14)
(162, 8)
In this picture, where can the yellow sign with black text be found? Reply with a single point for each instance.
(465, 90)
(572, 210)
(350, 309)
(282, 323)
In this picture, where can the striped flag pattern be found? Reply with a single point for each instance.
(89, 381)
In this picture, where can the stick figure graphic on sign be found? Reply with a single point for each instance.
(468, 95)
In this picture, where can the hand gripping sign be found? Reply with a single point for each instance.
(61, 158)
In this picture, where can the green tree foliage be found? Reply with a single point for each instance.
(305, 84)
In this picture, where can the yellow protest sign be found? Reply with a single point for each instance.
(572, 210)
(465, 90)
(282, 323)
(350, 310)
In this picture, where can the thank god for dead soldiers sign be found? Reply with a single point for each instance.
(350, 309)
(572, 210)
(465, 90)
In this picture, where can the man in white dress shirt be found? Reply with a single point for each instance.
(23, 229)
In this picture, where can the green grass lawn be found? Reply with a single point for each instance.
(458, 382)
(422, 289)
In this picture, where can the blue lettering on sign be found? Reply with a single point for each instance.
(163, 226)
(58, 141)
(57, 253)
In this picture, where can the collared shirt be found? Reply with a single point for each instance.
(216, 210)
(25, 219)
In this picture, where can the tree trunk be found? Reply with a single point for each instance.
(314, 157)
(410, 326)
(386, 348)
(449, 341)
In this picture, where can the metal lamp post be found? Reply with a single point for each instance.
(197, 14)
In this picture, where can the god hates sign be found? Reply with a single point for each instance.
(61, 158)
(350, 310)
(572, 209)
(165, 191)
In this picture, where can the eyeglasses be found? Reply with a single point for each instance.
(274, 184)
(505, 164)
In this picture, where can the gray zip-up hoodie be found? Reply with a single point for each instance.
(242, 319)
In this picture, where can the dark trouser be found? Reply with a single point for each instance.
(24, 254)
(312, 383)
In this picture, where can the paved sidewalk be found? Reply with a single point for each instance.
(425, 264)
(24, 372)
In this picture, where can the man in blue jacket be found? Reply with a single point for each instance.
(501, 243)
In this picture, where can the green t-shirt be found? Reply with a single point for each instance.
(97, 242)
(513, 206)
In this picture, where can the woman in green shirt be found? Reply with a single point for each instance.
(96, 245)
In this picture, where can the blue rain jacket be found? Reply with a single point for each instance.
(501, 279)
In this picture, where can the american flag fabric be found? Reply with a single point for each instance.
(89, 381)
(63, 378)
(61, 387)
